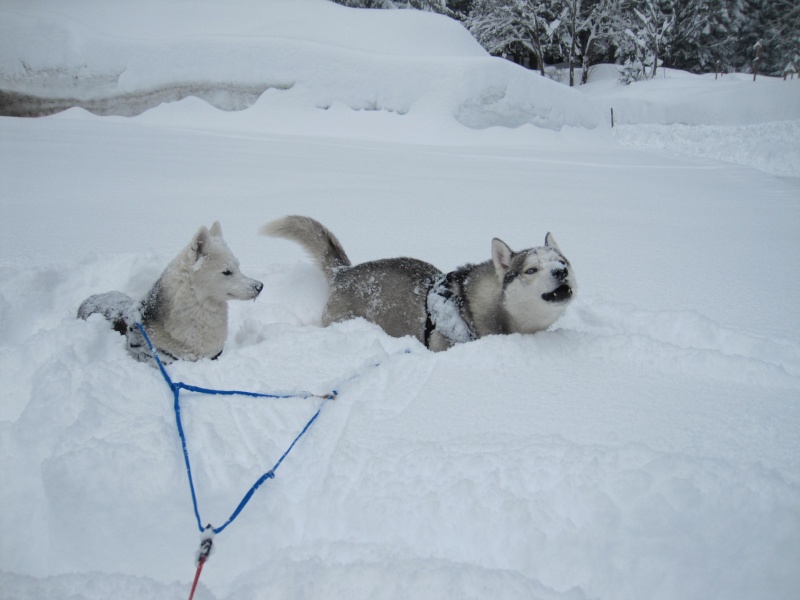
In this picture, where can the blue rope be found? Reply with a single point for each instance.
(176, 390)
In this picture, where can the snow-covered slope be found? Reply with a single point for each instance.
(120, 58)
(645, 447)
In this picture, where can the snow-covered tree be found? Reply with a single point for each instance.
(686, 34)
(453, 8)
(437, 6)
(776, 23)
(461, 8)
(645, 26)
(366, 3)
(513, 26)
(587, 26)
(700, 34)
(572, 19)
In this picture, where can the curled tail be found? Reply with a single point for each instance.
(323, 246)
(114, 306)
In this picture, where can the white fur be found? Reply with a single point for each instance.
(527, 311)
(185, 313)
(192, 321)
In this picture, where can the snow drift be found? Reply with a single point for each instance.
(368, 60)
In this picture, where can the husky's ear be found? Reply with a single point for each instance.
(199, 245)
(501, 257)
(549, 240)
(216, 229)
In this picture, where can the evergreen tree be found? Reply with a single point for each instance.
(774, 23)
(461, 8)
(701, 35)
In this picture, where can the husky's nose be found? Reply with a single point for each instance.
(258, 286)
(560, 274)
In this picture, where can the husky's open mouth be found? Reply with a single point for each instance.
(561, 294)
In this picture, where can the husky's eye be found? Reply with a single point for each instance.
(227, 272)
(531, 271)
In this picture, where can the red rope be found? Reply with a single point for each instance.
(206, 542)
(200, 564)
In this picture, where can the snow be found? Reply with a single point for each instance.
(644, 447)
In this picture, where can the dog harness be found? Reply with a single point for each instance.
(446, 308)
(138, 347)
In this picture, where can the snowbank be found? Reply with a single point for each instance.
(110, 60)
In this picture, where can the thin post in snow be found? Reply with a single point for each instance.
(757, 59)
(612, 117)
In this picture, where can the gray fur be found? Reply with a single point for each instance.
(500, 296)
(317, 240)
(185, 313)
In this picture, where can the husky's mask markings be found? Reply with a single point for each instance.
(514, 292)
(185, 313)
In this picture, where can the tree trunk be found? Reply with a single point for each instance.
(655, 60)
(575, 6)
(537, 44)
(584, 69)
(585, 53)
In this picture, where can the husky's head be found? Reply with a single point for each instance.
(538, 284)
(214, 270)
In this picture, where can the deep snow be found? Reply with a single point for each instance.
(645, 447)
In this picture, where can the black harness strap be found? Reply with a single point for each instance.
(429, 327)
(161, 351)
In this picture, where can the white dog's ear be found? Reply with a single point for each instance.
(216, 229)
(501, 257)
(199, 245)
(549, 240)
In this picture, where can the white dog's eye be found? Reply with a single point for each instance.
(227, 272)
(531, 271)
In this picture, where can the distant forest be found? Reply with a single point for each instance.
(699, 36)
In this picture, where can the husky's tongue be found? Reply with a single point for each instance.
(561, 294)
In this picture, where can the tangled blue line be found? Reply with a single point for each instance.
(176, 390)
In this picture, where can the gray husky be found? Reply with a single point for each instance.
(185, 313)
(514, 292)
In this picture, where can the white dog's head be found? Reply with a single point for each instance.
(215, 270)
(538, 283)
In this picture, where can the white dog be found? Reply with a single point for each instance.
(185, 313)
